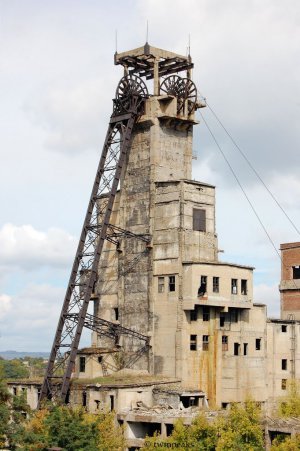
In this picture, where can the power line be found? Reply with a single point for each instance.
(253, 169)
(241, 186)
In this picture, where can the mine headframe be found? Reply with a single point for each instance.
(128, 106)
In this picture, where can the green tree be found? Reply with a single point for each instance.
(288, 444)
(71, 429)
(241, 430)
(13, 369)
(290, 405)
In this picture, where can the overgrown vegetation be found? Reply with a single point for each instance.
(290, 405)
(239, 430)
(22, 368)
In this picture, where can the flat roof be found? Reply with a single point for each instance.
(284, 246)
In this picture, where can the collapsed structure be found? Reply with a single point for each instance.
(172, 324)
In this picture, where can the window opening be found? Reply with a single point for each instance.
(84, 398)
(203, 284)
(222, 320)
(82, 364)
(116, 311)
(284, 364)
(193, 315)
(244, 286)
(199, 220)
(283, 384)
(206, 313)
(284, 328)
(205, 342)
(100, 359)
(236, 349)
(15, 391)
(171, 283)
(234, 315)
(245, 348)
(224, 343)
(67, 400)
(193, 342)
(257, 344)
(112, 402)
(216, 284)
(161, 284)
(233, 286)
(296, 272)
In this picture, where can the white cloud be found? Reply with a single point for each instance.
(31, 320)
(27, 248)
(5, 304)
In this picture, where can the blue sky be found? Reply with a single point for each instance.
(57, 82)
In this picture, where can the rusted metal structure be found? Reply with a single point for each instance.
(128, 105)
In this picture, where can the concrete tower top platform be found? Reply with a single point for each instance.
(145, 61)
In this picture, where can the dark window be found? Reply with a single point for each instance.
(67, 400)
(161, 284)
(283, 384)
(205, 342)
(234, 315)
(193, 342)
(203, 284)
(82, 364)
(116, 311)
(171, 283)
(224, 343)
(284, 364)
(283, 328)
(206, 313)
(222, 320)
(84, 398)
(15, 391)
(112, 402)
(236, 349)
(296, 272)
(224, 405)
(193, 315)
(257, 344)
(245, 348)
(100, 359)
(244, 288)
(216, 285)
(199, 220)
(233, 286)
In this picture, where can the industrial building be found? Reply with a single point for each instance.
(173, 326)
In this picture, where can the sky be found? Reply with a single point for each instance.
(57, 80)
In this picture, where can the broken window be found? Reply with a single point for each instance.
(205, 342)
(296, 272)
(112, 402)
(82, 364)
(257, 344)
(216, 284)
(233, 286)
(224, 343)
(283, 384)
(206, 313)
(245, 348)
(193, 342)
(161, 284)
(236, 349)
(171, 283)
(284, 364)
(193, 315)
(244, 286)
(203, 284)
(199, 220)
(283, 328)
(100, 359)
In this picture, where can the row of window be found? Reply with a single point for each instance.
(236, 346)
(231, 317)
(216, 286)
(171, 285)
